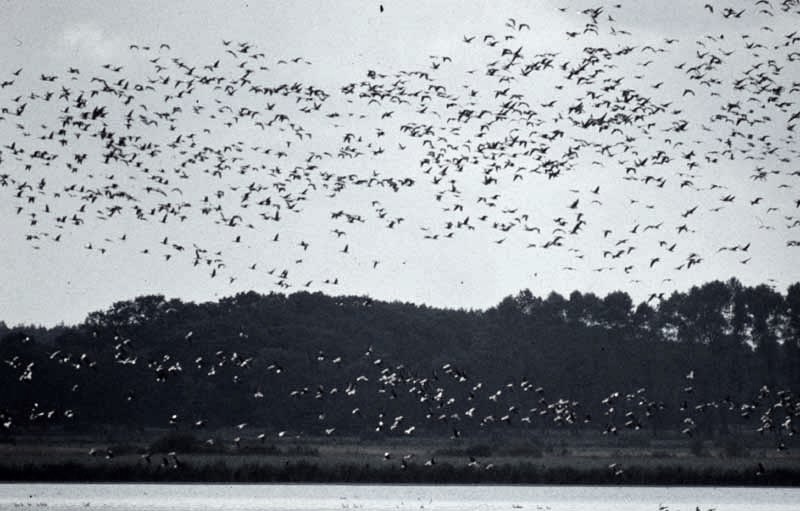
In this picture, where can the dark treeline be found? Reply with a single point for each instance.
(718, 359)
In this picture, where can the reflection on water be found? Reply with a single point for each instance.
(321, 497)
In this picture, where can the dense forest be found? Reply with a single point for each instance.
(718, 359)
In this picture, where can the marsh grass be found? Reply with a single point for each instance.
(351, 460)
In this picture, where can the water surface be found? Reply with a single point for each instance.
(328, 497)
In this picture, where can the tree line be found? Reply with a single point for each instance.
(715, 359)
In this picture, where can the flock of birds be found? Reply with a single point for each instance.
(208, 163)
(175, 149)
(410, 403)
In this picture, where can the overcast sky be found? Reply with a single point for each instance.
(671, 131)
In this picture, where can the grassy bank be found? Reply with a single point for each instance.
(305, 471)
(589, 461)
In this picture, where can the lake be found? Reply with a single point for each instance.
(321, 497)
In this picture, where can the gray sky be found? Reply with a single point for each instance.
(653, 115)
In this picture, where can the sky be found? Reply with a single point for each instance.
(446, 153)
